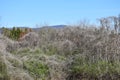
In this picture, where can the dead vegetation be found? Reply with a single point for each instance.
(69, 53)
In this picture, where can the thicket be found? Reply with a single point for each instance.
(93, 52)
(81, 52)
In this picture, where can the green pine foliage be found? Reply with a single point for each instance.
(13, 33)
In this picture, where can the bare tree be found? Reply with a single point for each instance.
(119, 22)
(116, 27)
(0, 21)
(111, 22)
(105, 23)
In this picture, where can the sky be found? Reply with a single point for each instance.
(33, 13)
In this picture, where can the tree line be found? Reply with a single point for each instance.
(15, 33)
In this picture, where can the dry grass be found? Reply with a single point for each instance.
(69, 53)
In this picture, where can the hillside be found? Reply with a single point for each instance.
(68, 53)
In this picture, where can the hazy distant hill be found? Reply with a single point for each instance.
(58, 26)
(54, 26)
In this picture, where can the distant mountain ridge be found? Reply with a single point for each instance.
(58, 26)
(54, 26)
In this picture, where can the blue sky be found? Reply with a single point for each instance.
(53, 12)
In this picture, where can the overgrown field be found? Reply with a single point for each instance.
(81, 52)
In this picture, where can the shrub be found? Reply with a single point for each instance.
(50, 50)
(3, 71)
(6, 32)
(36, 69)
(81, 66)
